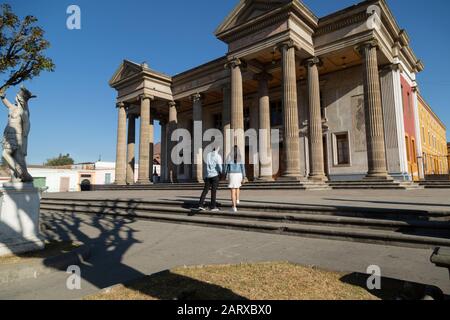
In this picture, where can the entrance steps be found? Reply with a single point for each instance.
(437, 184)
(375, 184)
(253, 185)
(407, 228)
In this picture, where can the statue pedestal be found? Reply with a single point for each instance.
(19, 218)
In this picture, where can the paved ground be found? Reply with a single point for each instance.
(127, 249)
(431, 200)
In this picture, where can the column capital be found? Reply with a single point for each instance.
(145, 97)
(197, 97)
(173, 104)
(132, 115)
(288, 44)
(392, 67)
(263, 76)
(234, 63)
(120, 105)
(312, 61)
(372, 43)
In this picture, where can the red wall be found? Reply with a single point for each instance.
(408, 108)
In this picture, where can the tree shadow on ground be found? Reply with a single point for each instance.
(394, 289)
(435, 229)
(171, 286)
(110, 237)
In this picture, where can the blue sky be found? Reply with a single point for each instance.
(75, 111)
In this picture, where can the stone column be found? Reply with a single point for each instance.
(237, 106)
(197, 165)
(316, 164)
(164, 141)
(264, 137)
(151, 153)
(290, 113)
(145, 141)
(376, 151)
(131, 158)
(173, 125)
(226, 119)
(121, 152)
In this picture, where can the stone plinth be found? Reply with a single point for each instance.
(19, 218)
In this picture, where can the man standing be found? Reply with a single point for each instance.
(213, 171)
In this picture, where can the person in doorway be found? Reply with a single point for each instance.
(235, 172)
(214, 170)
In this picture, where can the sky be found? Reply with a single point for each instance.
(75, 111)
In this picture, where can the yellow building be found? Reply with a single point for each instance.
(448, 154)
(434, 141)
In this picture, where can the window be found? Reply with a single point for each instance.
(342, 149)
(413, 150)
(107, 178)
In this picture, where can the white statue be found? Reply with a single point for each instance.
(15, 137)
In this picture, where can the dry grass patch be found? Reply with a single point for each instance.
(262, 281)
(52, 249)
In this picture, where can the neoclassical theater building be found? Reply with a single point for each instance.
(342, 90)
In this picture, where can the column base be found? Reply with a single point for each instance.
(120, 183)
(318, 178)
(144, 182)
(265, 179)
(378, 176)
(292, 178)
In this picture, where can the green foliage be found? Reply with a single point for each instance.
(61, 160)
(21, 48)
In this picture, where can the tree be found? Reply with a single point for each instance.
(61, 160)
(21, 48)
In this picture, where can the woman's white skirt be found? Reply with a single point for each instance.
(235, 180)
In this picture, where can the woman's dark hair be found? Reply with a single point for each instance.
(236, 150)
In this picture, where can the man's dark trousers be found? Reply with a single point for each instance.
(213, 184)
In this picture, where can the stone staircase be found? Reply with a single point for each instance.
(408, 228)
(438, 184)
(375, 184)
(254, 185)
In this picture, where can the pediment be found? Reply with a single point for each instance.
(247, 10)
(126, 70)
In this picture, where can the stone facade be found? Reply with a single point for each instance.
(331, 85)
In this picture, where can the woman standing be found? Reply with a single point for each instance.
(235, 171)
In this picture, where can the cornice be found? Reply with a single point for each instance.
(341, 23)
(267, 19)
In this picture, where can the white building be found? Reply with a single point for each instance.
(73, 178)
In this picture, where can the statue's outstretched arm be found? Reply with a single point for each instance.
(6, 102)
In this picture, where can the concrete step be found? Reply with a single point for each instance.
(414, 233)
(385, 237)
(268, 207)
(262, 216)
(435, 184)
